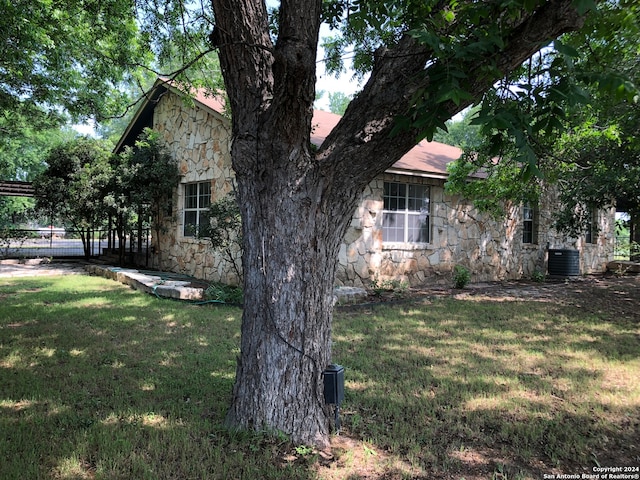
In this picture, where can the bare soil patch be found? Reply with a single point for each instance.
(610, 295)
(617, 296)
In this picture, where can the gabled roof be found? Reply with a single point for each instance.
(427, 159)
(144, 115)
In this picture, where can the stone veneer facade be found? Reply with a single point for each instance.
(460, 235)
(200, 139)
(493, 250)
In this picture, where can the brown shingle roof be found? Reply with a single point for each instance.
(425, 159)
(430, 158)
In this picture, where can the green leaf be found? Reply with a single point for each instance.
(584, 6)
(566, 50)
(449, 16)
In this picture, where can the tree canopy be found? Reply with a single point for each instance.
(68, 56)
(74, 183)
(94, 59)
(580, 134)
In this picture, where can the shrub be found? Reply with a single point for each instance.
(397, 287)
(538, 276)
(461, 276)
(224, 293)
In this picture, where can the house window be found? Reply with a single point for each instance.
(529, 224)
(406, 213)
(197, 199)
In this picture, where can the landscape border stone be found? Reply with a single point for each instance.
(155, 284)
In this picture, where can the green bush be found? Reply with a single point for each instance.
(397, 287)
(538, 276)
(461, 276)
(224, 293)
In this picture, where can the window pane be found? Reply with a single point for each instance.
(418, 198)
(393, 227)
(394, 196)
(527, 231)
(402, 197)
(191, 195)
(386, 196)
(205, 194)
(528, 213)
(190, 222)
(426, 202)
(390, 203)
(418, 229)
(203, 218)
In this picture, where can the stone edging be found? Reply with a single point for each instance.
(145, 282)
(179, 290)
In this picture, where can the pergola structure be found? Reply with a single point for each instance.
(16, 189)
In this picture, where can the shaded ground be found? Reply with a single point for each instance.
(612, 297)
(609, 294)
(603, 294)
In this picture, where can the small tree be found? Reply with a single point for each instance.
(149, 176)
(338, 102)
(73, 185)
(224, 230)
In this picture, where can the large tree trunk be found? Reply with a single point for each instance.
(296, 203)
(292, 235)
(291, 231)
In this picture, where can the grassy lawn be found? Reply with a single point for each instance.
(100, 381)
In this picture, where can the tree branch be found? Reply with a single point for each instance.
(361, 146)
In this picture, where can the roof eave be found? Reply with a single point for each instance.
(418, 173)
(148, 104)
(138, 122)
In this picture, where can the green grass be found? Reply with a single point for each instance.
(100, 381)
(451, 384)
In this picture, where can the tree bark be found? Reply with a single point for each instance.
(296, 203)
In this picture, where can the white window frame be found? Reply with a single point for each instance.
(195, 206)
(405, 202)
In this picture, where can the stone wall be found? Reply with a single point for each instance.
(200, 139)
(492, 250)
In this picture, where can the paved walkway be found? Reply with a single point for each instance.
(162, 284)
(30, 268)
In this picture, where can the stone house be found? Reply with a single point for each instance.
(406, 228)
